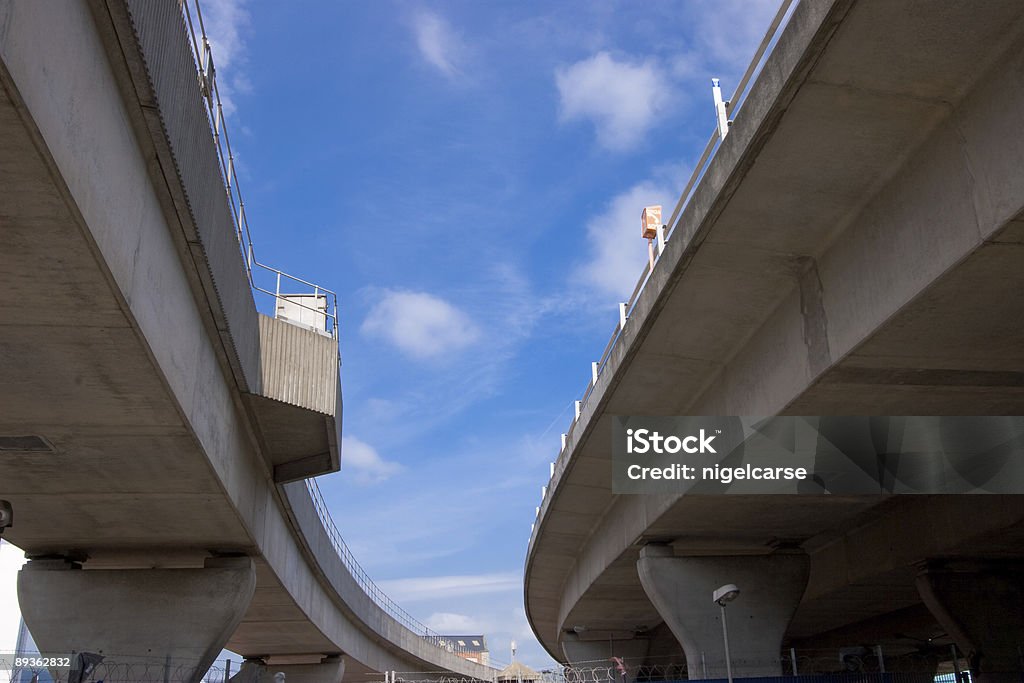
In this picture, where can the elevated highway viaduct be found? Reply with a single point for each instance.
(155, 430)
(855, 247)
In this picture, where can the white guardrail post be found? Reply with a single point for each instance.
(722, 122)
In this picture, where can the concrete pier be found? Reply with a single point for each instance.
(980, 603)
(681, 588)
(181, 616)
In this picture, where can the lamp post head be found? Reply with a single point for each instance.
(726, 594)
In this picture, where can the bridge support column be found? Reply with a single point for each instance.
(598, 651)
(770, 590)
(152, 622)
(981, 606)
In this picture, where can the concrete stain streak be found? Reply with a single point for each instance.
(815, 320)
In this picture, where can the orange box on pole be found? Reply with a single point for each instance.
(650, 221)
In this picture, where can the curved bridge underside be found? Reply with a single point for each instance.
(856, 247)
(131, 347)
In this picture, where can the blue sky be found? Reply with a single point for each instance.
(468, 176)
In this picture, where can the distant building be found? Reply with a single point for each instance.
(473, 648)
(517, 672)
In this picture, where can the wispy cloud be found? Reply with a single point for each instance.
(364, 463)
(433, 587)
(617, 251)
(439, 44)
(226, 23)
(450, 622)
(727, 31)
(419, 324)
(500, 618)
(445, 507)
(621, 98)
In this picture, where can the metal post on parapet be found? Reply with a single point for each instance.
(880, 658)
(651, 229)
(721, 109)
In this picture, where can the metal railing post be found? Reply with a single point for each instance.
(722, 123)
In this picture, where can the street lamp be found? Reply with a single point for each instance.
(723, 596)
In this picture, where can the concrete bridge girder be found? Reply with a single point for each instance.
(141, 357)
(855, 247)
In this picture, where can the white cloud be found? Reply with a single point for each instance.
(363, 461)
(225, 22)
(432, 587)
(449, 622)
(421, 325)
(617, 251)
(622, 99)
(729, 31)
(439, 45)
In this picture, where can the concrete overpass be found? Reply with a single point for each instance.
(855, 247)
(154, 428)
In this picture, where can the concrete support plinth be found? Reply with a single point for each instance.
(148, 621)
(592, 650)
(251, 671)
(770, 590)
(330, 670)
(981, 606)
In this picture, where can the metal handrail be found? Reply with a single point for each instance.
(366, 583)
(202, 55)
(203, 58)
(735, 104)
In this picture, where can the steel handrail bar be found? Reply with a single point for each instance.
(206, 68)
(735, 104)
(203, 61)
(362, 577)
